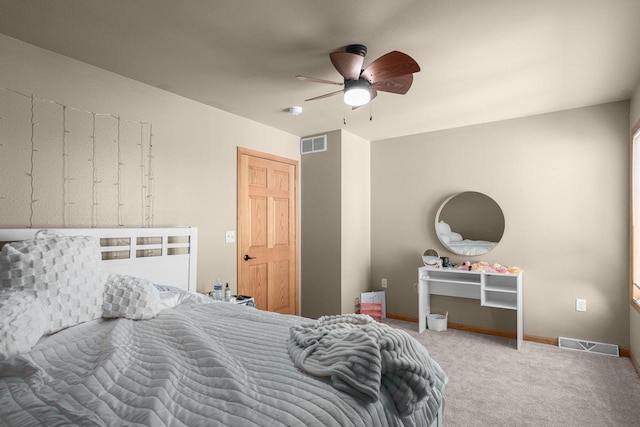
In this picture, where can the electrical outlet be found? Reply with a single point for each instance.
(230, 237)
(384, 283)
(581, 304)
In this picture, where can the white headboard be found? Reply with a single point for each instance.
(165, 256)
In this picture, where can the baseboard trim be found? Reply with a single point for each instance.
(508, 334)
(541, 340)
(487, 331)
(402, 317)
(634, 362)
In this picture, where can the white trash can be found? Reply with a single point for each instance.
(437, 322)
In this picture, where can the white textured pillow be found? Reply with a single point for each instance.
(22, 322)
(443, 228)
(63, 272)
(169, 299)
(130, 297)
(455, 237)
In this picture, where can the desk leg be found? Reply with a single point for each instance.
(519, 337)
(520, 328)
(424, 304)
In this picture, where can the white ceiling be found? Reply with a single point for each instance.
(481, 60)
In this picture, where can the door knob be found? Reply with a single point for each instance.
(247, 257)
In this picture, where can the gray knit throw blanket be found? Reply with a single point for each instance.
(360, 355)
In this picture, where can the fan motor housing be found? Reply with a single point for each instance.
(358, 49)
(359, 84)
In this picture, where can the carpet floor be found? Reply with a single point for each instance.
(492, 384)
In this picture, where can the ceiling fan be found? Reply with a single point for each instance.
(392, 73)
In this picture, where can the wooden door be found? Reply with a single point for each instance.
(267, 231)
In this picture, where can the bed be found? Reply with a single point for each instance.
(156, 353)
(459, 245)
(471, 247)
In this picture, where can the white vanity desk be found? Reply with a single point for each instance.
(501, 290)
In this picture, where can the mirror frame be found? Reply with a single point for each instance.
(495, 226)
(430, 257)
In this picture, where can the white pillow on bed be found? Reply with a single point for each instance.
(443, 228)
(130, 297)
(22, 322)
(446, 235)
(63, 272)
(455, 237)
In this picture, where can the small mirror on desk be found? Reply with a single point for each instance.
(431, 258)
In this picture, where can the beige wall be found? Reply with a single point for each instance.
(634, 315)
(562, 182)
(194, 147)
(320, 283)
(356, 219)
(336, 227)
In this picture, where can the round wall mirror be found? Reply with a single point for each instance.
(469, 223)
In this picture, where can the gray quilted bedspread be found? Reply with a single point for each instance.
(362, 357)
(214, 364)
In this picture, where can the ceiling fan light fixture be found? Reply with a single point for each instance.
(392, 72)
(357, 92)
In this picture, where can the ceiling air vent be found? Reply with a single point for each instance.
(314, 144)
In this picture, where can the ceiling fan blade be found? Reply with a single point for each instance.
(399, 85)
(348, 64)
(374, 93)
(313, 79)
(393, 64)
(326, 95)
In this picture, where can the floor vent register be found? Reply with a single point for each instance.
(588, 346)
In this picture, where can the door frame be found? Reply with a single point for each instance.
(239, 253)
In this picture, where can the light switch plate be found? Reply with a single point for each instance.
(230, 237)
